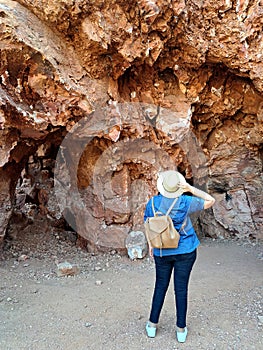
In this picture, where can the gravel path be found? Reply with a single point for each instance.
(106, 305)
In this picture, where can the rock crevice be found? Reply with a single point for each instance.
(97, 97)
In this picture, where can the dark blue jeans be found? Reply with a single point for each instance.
(181, 265)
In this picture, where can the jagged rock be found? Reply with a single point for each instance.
(67, 269)
(121, 90)
(260, 319)
(23, 257)
(136, 245)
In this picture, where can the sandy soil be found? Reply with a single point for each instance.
(107, 304)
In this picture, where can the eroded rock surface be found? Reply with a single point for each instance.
(134, 87)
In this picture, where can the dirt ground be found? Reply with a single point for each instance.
(106, 305)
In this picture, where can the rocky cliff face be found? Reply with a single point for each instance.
(102, 95)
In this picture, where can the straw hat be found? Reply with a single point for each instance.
(167, 183)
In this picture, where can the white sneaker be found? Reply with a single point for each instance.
(181, 336)
(150, 330)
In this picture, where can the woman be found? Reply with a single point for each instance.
(171, 184)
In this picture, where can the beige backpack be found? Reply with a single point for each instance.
(160, 231)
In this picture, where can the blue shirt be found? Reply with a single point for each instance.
(184, 206)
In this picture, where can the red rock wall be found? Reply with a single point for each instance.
(143, 86)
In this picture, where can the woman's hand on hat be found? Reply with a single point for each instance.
(186, 187)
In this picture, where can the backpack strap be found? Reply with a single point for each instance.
(168, 211)
(171, 207)
(153, 207)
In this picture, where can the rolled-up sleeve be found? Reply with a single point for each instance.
(197, 204)
(148, 211)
